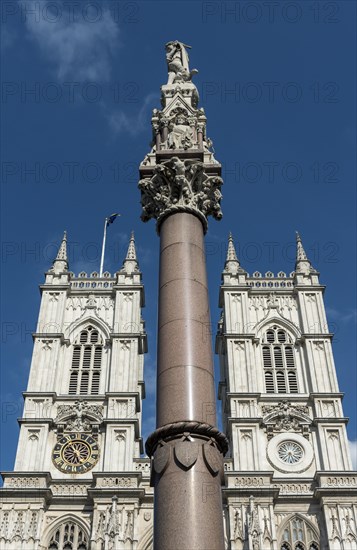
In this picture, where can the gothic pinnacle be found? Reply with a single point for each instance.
(303, 264)
(61, 262)
(231, 252)
(131, 254)
(131, 262)
(232, 264)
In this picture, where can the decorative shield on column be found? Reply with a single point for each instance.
(212, 458)
(161, 458)
(186, 453)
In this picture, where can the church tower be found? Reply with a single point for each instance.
(289, 484)
(79, 482)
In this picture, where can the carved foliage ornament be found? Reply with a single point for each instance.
(180, 185)
(79, 417)
(19, 525)
(286, 417)
(115, 523)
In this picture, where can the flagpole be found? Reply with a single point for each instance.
(103, 248)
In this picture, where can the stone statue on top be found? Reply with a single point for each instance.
(177, 62)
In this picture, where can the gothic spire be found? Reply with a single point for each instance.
(131, 262)
(232, 264)
(303, 264)
(61, 262)
(231, 251)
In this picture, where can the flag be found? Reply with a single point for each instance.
(112, 218)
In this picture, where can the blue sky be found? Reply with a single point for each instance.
(79, 81)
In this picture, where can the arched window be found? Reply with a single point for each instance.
(299, 534)
(86, 363)
(279, 362)
(68, 536)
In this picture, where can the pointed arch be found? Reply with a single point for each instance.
(147, 540)
(67, 519)
(261, 327)
(298, 533)
(72, 331)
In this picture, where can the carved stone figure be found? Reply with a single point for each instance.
(181, 183)
(180, 134)
(286, 417)
(80, 416)
(178, 62)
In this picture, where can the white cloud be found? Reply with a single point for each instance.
(79, 49)
(342, 316)
(353, 450)
(122, 122)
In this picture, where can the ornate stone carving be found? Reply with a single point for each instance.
(254, 529)
(294, 488)
(115, 525)
(181, 134)
(178, 62)
(79, 417)
(18, 530)
(180, 185)
(23, 482)
(125, 345)
(349, 534)
(238, 526)
(129, 527)
(335, 530)
(246, 482)
(143, 467)
(340, 482)
(32, 526)
(47, 344)
(267, 534)
(5, 525)
(65, 489)
(91, 302)
(285, 417)
(122, 482)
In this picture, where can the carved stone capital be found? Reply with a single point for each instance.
(180, 185)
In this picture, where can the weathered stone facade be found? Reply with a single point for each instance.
(289, 479)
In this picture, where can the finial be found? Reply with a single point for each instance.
(303, 264)
(231, 251)
(131, 254)
(300, 252)
(131, 262)
(62, 251)
(61, 262)
(232, 264)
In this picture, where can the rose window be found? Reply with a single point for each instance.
(290, 452)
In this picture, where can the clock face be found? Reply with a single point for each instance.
(75, 453)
